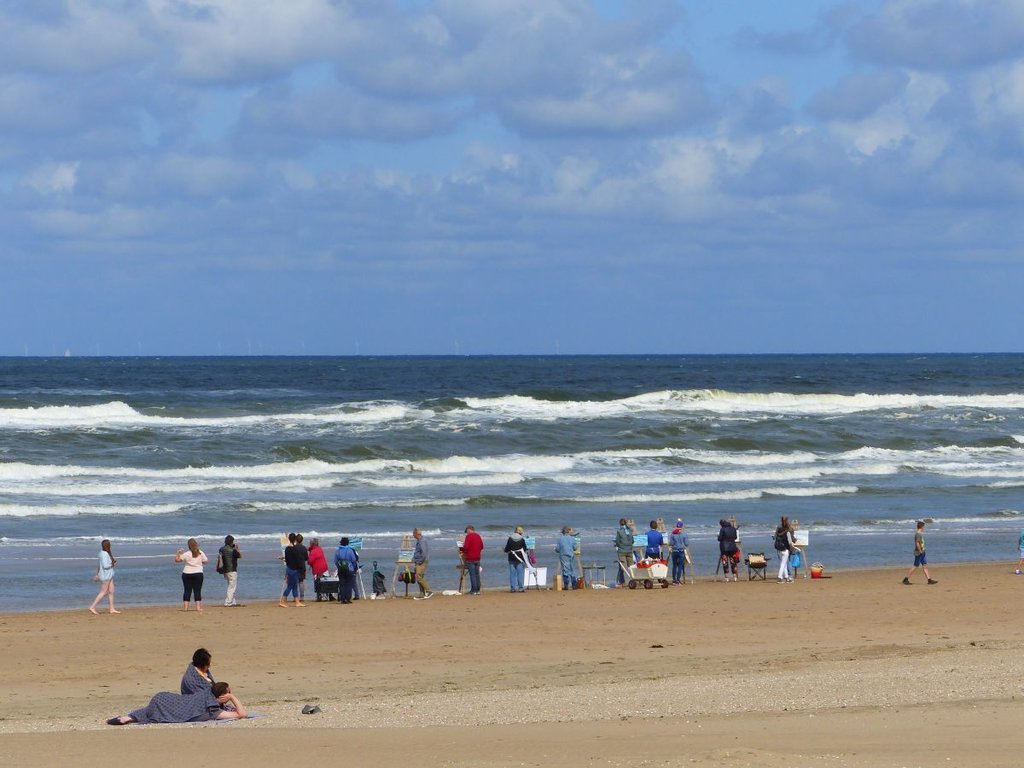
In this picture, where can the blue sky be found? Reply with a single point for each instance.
(499, 176)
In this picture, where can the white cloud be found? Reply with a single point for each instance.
(53, 178)
(940, 34)
(79, 36)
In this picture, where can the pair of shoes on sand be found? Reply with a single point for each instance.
(908, 582)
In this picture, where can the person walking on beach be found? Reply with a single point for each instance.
(105, 576)
(472, 551)
(293, 563)
(624, 550)
(515, 548)
(920, 558)
(1020, 563)
(228, 556)
(420, 560)
(565, 547)
(678, 541)
(192, 574)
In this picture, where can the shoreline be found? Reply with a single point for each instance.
(719, 668)
(216, 602)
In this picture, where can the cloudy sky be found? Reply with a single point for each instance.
(510, 176)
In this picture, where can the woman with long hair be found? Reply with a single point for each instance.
(784, 546)
(105, 576)
(192, 574)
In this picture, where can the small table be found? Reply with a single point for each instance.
(592, 572)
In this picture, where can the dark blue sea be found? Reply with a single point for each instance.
(150, 451)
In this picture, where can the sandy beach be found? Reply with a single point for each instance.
(853, 670)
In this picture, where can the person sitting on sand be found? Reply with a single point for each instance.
(197, 677)
(167, 707)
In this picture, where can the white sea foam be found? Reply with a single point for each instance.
(73, 510)
(142, 489)
(513, 463)
(313, 506)
(118, 415)
(485, 480)
(750, 493)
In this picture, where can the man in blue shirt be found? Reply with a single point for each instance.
(566, 549)
(655, 539)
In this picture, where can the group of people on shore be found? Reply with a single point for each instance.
(520, 552)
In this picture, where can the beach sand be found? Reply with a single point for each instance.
(853, 670)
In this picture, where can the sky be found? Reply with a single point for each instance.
(385, 177)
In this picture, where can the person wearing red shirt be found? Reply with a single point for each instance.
(472, 549)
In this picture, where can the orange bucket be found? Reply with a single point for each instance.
(817, 569)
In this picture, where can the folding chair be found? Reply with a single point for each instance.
(757, 566)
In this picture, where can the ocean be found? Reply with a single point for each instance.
(150, 451)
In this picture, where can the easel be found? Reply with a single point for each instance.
(664, 553)
(577, 557)
(530, 568)
(459, 543)
(802, 539)
(404, 560)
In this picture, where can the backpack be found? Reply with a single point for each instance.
(781, 542)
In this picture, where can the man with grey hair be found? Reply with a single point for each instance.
(420, 559)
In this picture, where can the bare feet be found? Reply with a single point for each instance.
(282, 605)
(93, 611)
(113, 611)
(300, 605)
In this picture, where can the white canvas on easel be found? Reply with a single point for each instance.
(802, 537)
(536, 577)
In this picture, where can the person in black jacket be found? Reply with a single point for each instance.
(728, 537)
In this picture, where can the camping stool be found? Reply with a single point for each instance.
(592, 572)
(757, 566)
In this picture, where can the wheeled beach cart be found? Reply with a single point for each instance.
(647, 572)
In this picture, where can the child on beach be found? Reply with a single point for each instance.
(1020, 546)
(920, 559)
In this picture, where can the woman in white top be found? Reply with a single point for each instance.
(105, 576)
(192, 574)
